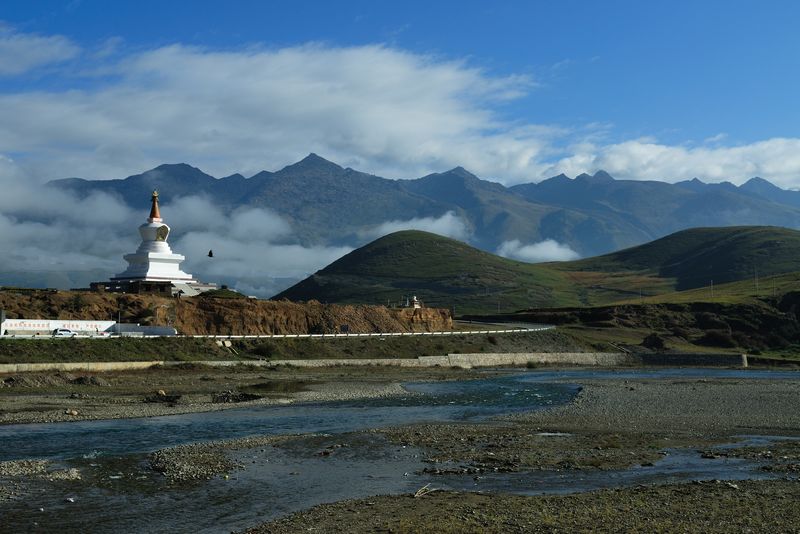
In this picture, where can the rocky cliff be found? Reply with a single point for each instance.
(200, 315)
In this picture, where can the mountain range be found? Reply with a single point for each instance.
(592, 214)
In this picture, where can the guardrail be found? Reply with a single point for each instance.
(294, 336)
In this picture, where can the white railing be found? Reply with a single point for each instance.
(538, 328)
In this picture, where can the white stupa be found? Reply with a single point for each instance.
(154, 261)
(154, 264)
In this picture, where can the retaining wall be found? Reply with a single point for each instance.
(699, 359)
(605, 359)
(76, 366)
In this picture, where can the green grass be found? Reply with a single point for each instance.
(695, 257)
(442, 272)
(109, 350)
(610, 339)
(743, 291)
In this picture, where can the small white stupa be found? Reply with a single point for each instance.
(154, 263)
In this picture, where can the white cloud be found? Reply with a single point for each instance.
(22, 52)
(776, 159)
(249, 242)
(374, 108)
(43, 230)
(547, 250)
(253, 247)
(449, 224)
(254, 265)
(382, 109)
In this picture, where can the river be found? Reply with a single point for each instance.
(119, 493)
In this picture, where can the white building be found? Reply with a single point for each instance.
(154, 268)
(30, 327)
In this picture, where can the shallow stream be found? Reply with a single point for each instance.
(119, 494)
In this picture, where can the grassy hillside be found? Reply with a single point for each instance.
(748, 291)
(693, 258)
(447, 273)
(443, 272)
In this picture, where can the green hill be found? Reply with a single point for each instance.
(696, 257)
(447, 273)
(441, 271)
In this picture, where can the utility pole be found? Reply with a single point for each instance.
(712, 289)
(755, 275)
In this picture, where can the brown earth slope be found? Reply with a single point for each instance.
(199, 315)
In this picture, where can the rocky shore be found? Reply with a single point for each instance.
(714, 507)
(16, 476)
(49, 410)
(684, 407)
(48, 398)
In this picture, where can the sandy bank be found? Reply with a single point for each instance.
(50, 409)
(699, 407)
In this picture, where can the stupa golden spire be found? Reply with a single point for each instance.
(154, 213)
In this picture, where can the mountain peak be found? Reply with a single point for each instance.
(314, 157)
(175, 166)
(313, 163)
(598, 178)
(602, 176)
(759, 183)
(460, 172)
(179, 171)
(552, 181)
(695, 184)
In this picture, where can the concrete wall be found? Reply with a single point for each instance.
(603, 359)
(699, 359)
(460, 360)
(555, 358)
(75, 366)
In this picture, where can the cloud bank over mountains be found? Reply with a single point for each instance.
(50, 237)
(449, 225)
(110, 112)
(547, 250)
(254, 248)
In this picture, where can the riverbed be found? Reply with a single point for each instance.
(338, 453)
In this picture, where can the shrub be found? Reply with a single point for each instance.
(717, 338)
(680, 332)
(654, 342)
(265, 350)
(709, 321)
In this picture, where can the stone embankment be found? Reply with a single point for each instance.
(217, 316)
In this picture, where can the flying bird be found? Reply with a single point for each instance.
(210, 253)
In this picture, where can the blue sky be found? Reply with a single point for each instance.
(514, 91)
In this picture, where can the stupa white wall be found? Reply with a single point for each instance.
(154, 261)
